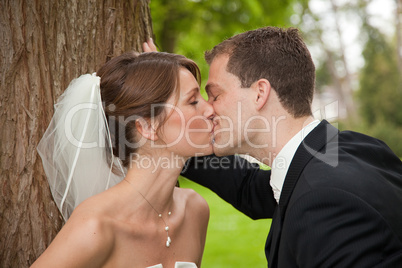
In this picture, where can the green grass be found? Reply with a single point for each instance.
(233, 239)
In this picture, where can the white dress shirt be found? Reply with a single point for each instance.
(282, 161)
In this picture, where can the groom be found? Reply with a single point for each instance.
(334, 197)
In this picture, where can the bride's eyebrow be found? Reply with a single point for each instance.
(192, 91)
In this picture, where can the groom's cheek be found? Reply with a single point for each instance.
(254, 128)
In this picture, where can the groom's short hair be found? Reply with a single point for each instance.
(276, 54)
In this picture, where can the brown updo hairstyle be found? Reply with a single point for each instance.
(130, 84)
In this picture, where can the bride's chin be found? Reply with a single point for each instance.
(205, 151)
(219, 150)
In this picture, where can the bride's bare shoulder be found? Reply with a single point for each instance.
(93, 223)
(86, 236)
(193, 201)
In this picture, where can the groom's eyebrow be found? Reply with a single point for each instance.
(209, 86)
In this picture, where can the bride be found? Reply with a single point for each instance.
(128, 129)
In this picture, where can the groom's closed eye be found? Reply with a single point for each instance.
(212, 94)
(211, 98)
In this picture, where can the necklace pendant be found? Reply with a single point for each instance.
(168, 242)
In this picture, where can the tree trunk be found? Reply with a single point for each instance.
(43, 46)
(345, 84)
(341, 82)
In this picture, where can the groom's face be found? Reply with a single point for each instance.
(231, 103)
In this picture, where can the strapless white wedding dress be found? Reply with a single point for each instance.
(179, 264)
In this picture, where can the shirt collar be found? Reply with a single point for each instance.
(282, 161)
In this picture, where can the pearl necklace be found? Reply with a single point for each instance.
(168, 240)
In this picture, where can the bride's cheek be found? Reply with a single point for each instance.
(198, 132)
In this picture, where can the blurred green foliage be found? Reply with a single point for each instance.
(380, 93)
(191, 27)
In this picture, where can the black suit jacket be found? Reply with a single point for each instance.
(340, 206)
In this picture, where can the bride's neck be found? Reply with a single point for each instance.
(154, 177)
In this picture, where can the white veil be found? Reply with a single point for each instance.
(76, 147)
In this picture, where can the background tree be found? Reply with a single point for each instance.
(379, 93)
(43, 45)
(369, 92)
(332, 65)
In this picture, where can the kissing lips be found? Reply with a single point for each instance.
(214, 124)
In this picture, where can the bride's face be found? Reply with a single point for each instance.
(188, 130)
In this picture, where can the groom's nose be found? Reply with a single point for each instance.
(209, 111)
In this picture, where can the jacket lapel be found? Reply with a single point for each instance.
(311, 146)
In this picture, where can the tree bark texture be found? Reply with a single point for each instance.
(43, 46)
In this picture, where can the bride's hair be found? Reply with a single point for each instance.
(131, 85)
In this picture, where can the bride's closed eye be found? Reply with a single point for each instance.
(193, 100)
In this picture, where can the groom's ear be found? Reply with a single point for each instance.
(262, 90)
(145, 128)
